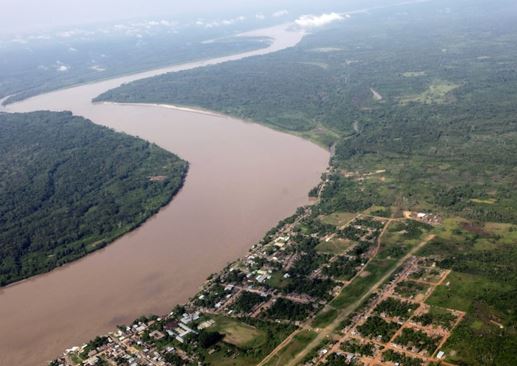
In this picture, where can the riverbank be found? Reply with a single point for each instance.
(243, 179)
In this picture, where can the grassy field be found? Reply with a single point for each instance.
(482, 284)
(338, 218)
(334, 246)
(244, 344)
(278, 281)
(237, 333)
(298, 343)
(459, 291)
(436, 93)
(360, 285)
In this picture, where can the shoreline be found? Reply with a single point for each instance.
(170, 236)
(134, 228)
(164, 69)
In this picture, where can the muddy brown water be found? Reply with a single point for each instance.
(243, 179)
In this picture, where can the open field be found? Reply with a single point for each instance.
(436, 93)
(288, 352)
(237, 333)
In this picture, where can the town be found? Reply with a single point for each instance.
(289, 287)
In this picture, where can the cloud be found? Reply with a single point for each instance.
(224, 22)
(97, 68)
(312, 21)
(63, 68)
(260, 16)
(67, 34)
(280, 13)
(167, 23)
(19, 40)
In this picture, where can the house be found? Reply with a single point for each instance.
(157, 335)
(171, 325)
(189, 318)
(206, 324)
(261, 278)
(92, 361)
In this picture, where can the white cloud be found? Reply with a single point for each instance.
(311, 21)
(72, 49)
(224, 22)
(19, 40)
(39, 37)
(97, 68)
(63, 68)
(212, 25)
(67, 34)
(280, 13)
(260, 16)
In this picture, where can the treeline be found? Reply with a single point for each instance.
(69, 187)
(444, 128)
(31, 69)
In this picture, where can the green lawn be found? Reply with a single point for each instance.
(278, 281)
(238, 333)
(334, 246)
(462, 291)
(338, 218)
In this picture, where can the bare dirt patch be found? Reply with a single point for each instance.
(475, 229)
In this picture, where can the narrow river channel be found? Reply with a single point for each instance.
(243, 179)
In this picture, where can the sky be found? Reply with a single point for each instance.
(22, 16)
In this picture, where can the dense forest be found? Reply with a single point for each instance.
(432, 106)
(418, 104)
(37, 66)
(69, 187)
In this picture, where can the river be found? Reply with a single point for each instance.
(243, 179)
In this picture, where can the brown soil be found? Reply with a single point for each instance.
(472, 228)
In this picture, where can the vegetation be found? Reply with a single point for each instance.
(342, 268)
(410, 289)
(335, 360)
(247, 301)
(417, 339)
(430, 133)
(401, 358)
(352, 346)
(35, 66)
(376, 327)
(437, 317)
(286, 309)
(93, 345)
(246, 341)
(395, 308)
(69, 187)
(297, 344)
(208, 339)
(438, 135)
